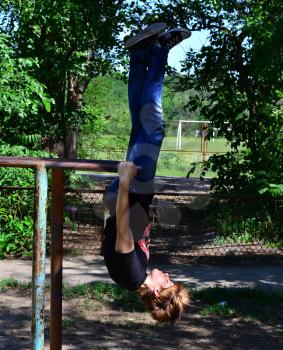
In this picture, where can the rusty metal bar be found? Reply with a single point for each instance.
(59, 163)
(57, 218)
(38, 264)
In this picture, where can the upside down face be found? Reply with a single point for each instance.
(161, 279)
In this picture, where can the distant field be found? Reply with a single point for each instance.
(178, 163)
(193, 144)
(171, 162)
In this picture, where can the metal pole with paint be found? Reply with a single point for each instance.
(39, 257)
(57, 218)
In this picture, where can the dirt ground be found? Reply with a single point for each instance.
(88, 325)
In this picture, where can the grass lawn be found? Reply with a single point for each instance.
(178, 163)
(193, 144)
(248, 303)
(171, 161)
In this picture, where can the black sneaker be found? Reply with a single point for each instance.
(148, 33)
(173, 37)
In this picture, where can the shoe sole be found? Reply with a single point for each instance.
(184, 30)
(150, 30)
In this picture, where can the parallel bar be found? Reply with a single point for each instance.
(59, 163)
(38, 264)
(57, 217)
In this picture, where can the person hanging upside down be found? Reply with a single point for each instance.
(127, 229)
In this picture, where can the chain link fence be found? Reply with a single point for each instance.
(188, 226)
(195, 226)
(185, 226)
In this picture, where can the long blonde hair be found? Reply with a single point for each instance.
(169, 305)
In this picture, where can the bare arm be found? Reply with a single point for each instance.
(124, 239)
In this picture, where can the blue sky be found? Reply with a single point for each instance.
(178, 53)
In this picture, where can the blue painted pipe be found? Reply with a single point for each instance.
(39, 258)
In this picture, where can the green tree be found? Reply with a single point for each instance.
(72, 41)
(107, 99)
(240, 73)
(21, 95)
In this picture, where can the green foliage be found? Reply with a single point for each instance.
(100, 290)
(33, 141)
(218, 309)
(10, 282)
(71, 292)
(21, 95)
(23, 177)
(117, 295)
(16, 236)
(238, 74)
(67, 323)
(170, 161)
(175, 101)
(16, 207)
(107, 99)
(105, 293)
(242, 220)
(80, 181)
(96, 121)
(71, 42)
(275, 190)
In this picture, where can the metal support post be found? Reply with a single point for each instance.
(57, 218)
(39, 255)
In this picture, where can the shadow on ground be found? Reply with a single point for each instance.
(99, 327)
(134, 331)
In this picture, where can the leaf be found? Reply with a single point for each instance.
(47, 103)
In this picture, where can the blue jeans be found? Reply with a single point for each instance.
(147, 68)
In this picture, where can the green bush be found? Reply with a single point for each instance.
(16, 206)
(248, 221)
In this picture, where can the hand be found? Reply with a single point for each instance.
(126, 171)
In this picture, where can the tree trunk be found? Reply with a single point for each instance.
(75, 94)
(71, 143)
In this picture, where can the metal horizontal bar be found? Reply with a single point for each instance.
(17, 188)
(60, 163)
(194, 121)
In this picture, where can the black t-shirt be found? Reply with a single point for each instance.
(126, 269)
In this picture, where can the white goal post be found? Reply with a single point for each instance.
(202, 122)
(179, 130)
